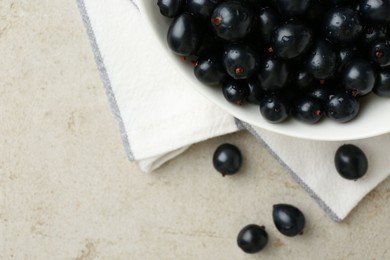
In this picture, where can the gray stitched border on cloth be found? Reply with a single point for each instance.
(125, 139)
(105, 78)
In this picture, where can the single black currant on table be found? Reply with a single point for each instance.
(235, 91)
(382, 85)
(274, 108)
(342, 25)
(232, 20)
(342, 107)
(359, 77)
(288, 219)
(351, 162)
(274, 74)
(171, 8)
(227, 159)
(308, 109)
(322, 60)
(252, 238)
(184, 35)
(376, 10)
(209, 68)
(291, 39)
(380, 53)
(241, 61)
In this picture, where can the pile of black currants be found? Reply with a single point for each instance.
(305, 58)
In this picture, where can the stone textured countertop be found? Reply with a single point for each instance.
(69, 192)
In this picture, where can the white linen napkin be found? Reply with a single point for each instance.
(160, 117)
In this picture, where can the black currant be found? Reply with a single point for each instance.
(227, 159)
(232, 20)
(274, 74)
(274, 108)
(307, 109)
(376, 10)
(209, 68)
(288, 219)
(184, 35)
(235, 91)
(380, 53)
(303, 79)
(322, 60)
(201, 8)
(252, 238)
(171, 8)
(359, 77)
(345, 55)
(255, 92)
(342, 107)
(267, 20)
(342, 25)
(351, 162)
(291, 39)
(382, 86)
(241, 61)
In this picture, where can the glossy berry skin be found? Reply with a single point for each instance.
(184, 35)
(252, 238)
(240, 61)
(288, 219)
(382, 86)
(307, 109)
(201, 9)
(345, 55)
(342, 107)
(376, 10)
(342, 25)
(303, 79)
(322, 60)
(235, 91)
(267, 20)
(171, 8)
(359, 77)
(274, 74)
(380, 53)
(232, 20)
(227, 159)
(274, 108)
(291, 39)
(292, 8)
(255, 92)
(351, 162)
(209, 68)
(321, 93)
(373, 33)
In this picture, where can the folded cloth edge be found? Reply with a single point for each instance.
(295, 176)
(105, 78)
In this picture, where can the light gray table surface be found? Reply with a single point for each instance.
(67, 190)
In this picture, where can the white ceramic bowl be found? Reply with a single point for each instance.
(373, 118)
